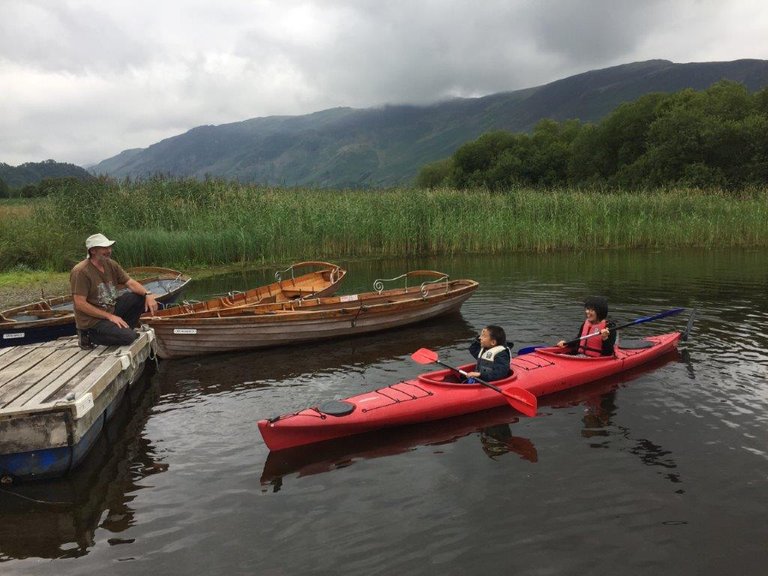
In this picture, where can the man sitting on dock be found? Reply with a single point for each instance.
(101, 316)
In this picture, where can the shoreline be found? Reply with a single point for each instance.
(19, 288)
(35, 287)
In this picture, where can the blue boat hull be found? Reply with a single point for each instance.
(19, 337)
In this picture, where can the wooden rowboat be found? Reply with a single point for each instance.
(321, 282)
(51, 318)
(304, 320)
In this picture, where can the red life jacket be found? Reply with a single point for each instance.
(591, 346)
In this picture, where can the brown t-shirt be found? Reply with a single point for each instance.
(99, 289)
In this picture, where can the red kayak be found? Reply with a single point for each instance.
(440, 394)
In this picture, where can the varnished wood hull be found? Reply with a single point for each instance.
(318, 283)
(313, 321)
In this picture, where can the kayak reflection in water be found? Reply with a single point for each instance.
(498, 440)
(492, 354)
(597, 418)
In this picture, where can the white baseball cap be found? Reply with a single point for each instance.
(98, 240)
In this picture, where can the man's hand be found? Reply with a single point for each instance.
(150, 303)
(117, 321)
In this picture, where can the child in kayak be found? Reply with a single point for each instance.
(492, 354)
(596, 312)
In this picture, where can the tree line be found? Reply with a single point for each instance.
(34, 179)
(715, 138)
(45, 187)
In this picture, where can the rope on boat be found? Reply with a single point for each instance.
(362, 308)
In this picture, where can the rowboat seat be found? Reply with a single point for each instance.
(296, 294)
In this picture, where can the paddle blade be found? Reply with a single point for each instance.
(529, 349)
(424, 356)
(521, 400)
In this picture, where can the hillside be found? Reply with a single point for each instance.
(34, 172)
(375, 147)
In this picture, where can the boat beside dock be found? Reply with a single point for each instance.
(56, 398)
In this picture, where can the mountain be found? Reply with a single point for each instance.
(379, 147)
(35, 172)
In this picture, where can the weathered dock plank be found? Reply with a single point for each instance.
(17, 383)
(44, 379)
(55, 398)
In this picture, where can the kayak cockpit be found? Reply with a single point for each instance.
(564, 353)
(449, 377)
(619, 351)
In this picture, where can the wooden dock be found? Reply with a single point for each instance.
(55, 399)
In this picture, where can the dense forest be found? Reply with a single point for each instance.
(715, 138)
(34, 179)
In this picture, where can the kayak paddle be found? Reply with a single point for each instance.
(521, 400)
(658, 316)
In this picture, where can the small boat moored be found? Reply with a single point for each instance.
(324, 280)
(308, 319)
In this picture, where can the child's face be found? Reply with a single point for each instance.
(591, 315)
(485, 339)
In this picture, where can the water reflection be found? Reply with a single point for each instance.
(710, 407)
(601, 413)
(187, 377)
(498, 440)
(598, 423)
(495, 428)
(335, 454)
(59, 518)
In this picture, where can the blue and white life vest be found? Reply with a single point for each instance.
(487, 357)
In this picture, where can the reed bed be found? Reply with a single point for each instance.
(191, 223)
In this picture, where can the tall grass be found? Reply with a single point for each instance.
(191, 223)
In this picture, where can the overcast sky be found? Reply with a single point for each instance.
(82, 80)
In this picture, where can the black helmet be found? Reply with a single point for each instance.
(599, 304)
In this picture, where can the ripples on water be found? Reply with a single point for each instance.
(660, 470)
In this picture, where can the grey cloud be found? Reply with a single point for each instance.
(594, 30)
(405, 52)
(108, 74)
(61, 37)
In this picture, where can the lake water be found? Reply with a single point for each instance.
(661, 471)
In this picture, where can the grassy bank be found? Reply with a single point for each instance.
(193, 224)
(24, 286)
